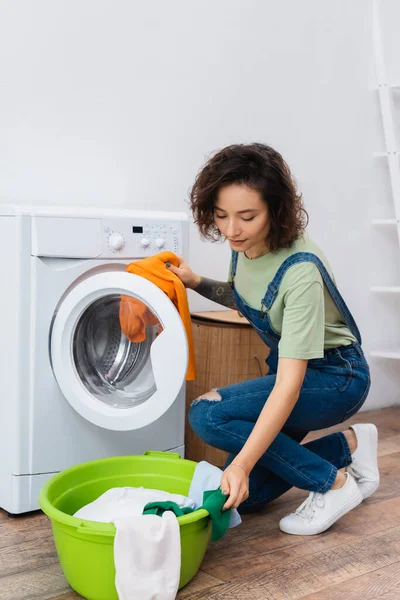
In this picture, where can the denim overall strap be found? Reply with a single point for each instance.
(259, 321)
(299, 257)
(234, 264)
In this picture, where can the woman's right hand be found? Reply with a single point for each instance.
(185, 273)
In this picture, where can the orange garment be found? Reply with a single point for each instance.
(134, 315)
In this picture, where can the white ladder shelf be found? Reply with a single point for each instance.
(392, 155)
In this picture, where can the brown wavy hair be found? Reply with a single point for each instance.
(261, 168)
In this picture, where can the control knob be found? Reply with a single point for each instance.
(116, 241)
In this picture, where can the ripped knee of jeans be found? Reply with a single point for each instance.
(212, 396)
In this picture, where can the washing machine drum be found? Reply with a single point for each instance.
(111, 367)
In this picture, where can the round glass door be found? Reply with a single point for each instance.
(118, 350)
(115, 368)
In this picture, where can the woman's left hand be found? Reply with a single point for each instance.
(235, 484)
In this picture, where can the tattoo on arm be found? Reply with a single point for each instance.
(217, 291)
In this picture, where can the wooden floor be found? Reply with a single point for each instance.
(358, 558)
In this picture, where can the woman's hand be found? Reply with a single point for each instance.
(185, 273)
(235, 483)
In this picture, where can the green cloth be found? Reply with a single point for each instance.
(303, 313)
(213, 501)
(158, 508)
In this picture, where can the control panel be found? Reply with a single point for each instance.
(109, 237)
(138, 239)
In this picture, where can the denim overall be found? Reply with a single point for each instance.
(334, 388)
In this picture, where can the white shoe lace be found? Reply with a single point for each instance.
(307, 509)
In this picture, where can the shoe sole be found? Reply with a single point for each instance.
(372, 490)
(352, 503)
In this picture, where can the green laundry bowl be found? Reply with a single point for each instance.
(86, 548)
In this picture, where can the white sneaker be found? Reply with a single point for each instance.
(364, 466)
(320, 511)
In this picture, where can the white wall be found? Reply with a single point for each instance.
(118, 102)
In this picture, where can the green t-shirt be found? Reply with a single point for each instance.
(303, 313)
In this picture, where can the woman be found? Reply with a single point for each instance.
(318, 376)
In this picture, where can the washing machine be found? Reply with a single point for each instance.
(73, 387)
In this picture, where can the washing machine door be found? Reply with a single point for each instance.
(117, 381)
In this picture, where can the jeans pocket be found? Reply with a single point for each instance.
(356, 407)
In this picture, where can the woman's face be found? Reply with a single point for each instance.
(242, 217)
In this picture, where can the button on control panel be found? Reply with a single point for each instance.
(137, 238)
(145, 242)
